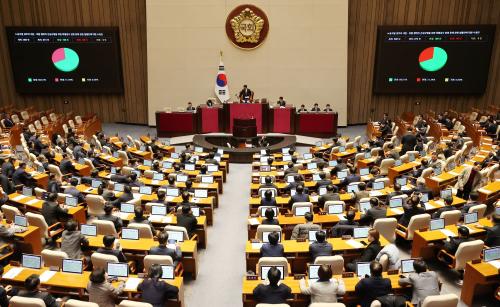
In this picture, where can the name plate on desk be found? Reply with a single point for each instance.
(252, 277)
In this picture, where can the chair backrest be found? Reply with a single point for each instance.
(178, 228)
(53, 169)
(127, 303)
(386, 181)
(21, 301)
(53, 258)
(38, 125)
(89, 163)
(404, 158)
(272, 305)
(266, 228)
(77, 303)
(39, 192)
(385, 165)
(336, 263)
(451, 217)
(157, 259)
(326, 305)
(262, 209)
(417, 222)
(374, 151)
(334, 202)
(480, 209)
(126, 170)
(38, 220)
(78, 120)
(376, 303)
(95, 204)
(357, 157)
(384, 261)
(123, 155)
(61, 197)
(349, 145)
(273, 261)
(387, 228)
(15, 118)
(149, 174)
(468, 251)
(53, 117)
(144, 230)
(100, 260)
(10, 212)
(263, 190)
(302, 205)
(105, 228)
(442, 300)
(107, 150)
(71, 123)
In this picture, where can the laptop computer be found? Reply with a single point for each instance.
(88, 230)
(446, 193)
(470, 218)
(178, 236)
(360, 232)
(335, 209)
(365, 171)
(174, 155)
(189, 167)
(287, 158)
(117, 269)
(312, 271)
(166, 164)
(167, 272)
(127, 208)
(72, 266)
(181, 178)
(402, 181)
(396, 202)
(212, 168)
(368, 155)
(312, 235)
(27, 191)
(364, 206)
(158, 176)
(491, 254)
(130, 234)
(316, 177)
(96, 183)
(195, 211)
(147, 163)
(398, 163)
(285, 150)
(378, 185)
(341, 149)
(20, 220)
(158, 210)
(31, 261)
(341, 174)
(200, 193)
(145, 190)
(312, 165)
(71, 201)
(264, 269)
(437, 171)
(322, 190)
(265, 235)
(173, 192)
(407, 266)
(352, 188)
(363, 269)
(207, 179)
(307, 156)
(436, 224)
(332, 163)
(198, 149)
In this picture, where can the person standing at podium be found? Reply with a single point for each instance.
(246, 95)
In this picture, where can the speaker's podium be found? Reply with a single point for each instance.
(244, 127)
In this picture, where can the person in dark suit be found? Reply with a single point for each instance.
(66, 166)
(20, 176)
(268, 183)
(385, 129)
(32, 285)
(331, 194)
(378, 210)
(411, 208)
(4, 300)
(321, 247)
(51, 211)
(275, 292)
(281, 102)
(299, 196)
(273, 248)
(187, 220)
(351, 177)
(268, 199)
(370, 252)
(323, 181)
(492, 233)
(397, 192)
(108, 216)
(133, 182)
(108, 249)
(292, 170)
(163, 250)
(246, 94)
(190, 107)
(156, 291)
(140, 219)
(473, 201)
(125, 197)
(316, 108)
(408, 141)
(302, 109)
(369, 288)
(448, 201)
(6, 184)
(345, 227)
(328, 108)
(73, 191)
(451, 244)
(270, 218)
(37, 146)
(8, 168)
(3, 197)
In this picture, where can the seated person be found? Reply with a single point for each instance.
(369, 252)
(345, 227)
(369, 288)
(492, 233)
(361, 193)
(161, 198)
(73, 191)
(126, 196)
(133, 181)
(72, 240)
(377, 211)
(321, 247)
(325, 289)
(156, 291)
(301, 231)
(331, 194)
(323, 181)
(448, 201)
(275, 292)
(163, 250)
(140, 219)
(423, 282)
(300, 195)
(53, 212)
(187, 220)
(269, 220)
(268, 183)
(411, 208)
(190, 107)
(473, 201)
(392, 253)
(397, 192)
(316, 108)
(108, 216)
(100, 289)
(273, 248)
(268, 199)
(302, 108)
(328, 108)
(451, 244)
(32, 290)
(110, 248)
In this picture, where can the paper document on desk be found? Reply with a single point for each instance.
(137, 195)
(375, 193)
(19, 197)
(495, 263)
(397, 210)
(32, 201)
(428, 206)
(203, 185)
(439, 202)
(448, 233)
(169, 198)
(155, 218)
(484, 191)
(155, 182)
(123, 215)
(405, 188)
(341, 217)
(47, 275)
(354, 243)
(453, 173)
(167, 219)
(253, 221)
(314, 198)
(256, 245)
(132, 283)
(12, 273)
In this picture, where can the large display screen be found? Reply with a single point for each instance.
(65, 60)
(433, 59)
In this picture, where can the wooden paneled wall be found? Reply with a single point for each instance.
(365, 15)
(128, 15)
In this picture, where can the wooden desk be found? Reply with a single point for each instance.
(83, 169)
(283, 202)
(31, 237)
(480, 278)
(404, 168)
(490, 192)
(345, 154)
(437, 183)
(116, 162)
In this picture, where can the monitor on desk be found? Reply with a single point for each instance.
(167, 272)
(368, 155)
(365, 171)
(119, 187)
(201, 193)
(436, 224)
(402, 181)
(31, 261)
(142, 148)
(20, 220)
(78, 179)
(189, 167)
(316, 177)
(264, 208)
(172, 192)
(301, 211)
(158, 210)
(174, 155)
(335, 209)
(322, 190)
(130, 234)
(166, 164)
(446, 193)
(158, 176)
(437, 171)
(470, 218)
(341, 174)
(265, 235)
(127, 208)
(319, 143)
(181, 178)
(220, 151)
(285, 150)
(263, 152)
(424, 197)
(287, 158)
(72, 266)
(263, 179)
(265, 168)
(81, 161)
(71, 201)
(178, 236)
(207, 179)
(378, 185)
(147, 163)
(312, 271)
(352, 188)
(312, 235)
(451, 166)
(265, 268)
(307, 156)
(360, 232)
(422, 153)
(146, 190)
(341, 149)
(332, 163)
(290, 179)
(312, 165)
(407, 266)
(411, 157)
(263, 160)
(212, 168)
(398, 162)
(363, 269)
(195, 211)
(40, 169)
(88, 230)
(491, 254)
(364, 206)
(96, 183)
(396, 202)
(198, 149)
(117, 269)
(27, 191)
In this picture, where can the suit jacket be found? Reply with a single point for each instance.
(71, 243)
(75, 193)
(323, 182)
(176, 253)
(368, 289)
(268, 294)
(6, 184)
(54, 186)
(188, 221)
(66, 167)
(492, 236)
(52, 212)
(327, 197)
(265, 202)
(299, 198)
(8, 169)
(125, 197)
(437, 214)
(114, 252)
(343, 228)
(351, 178)
(157, 292)
(48, 299)
(320, 249)
(423, 284)
(408, 142)
(370, 252)
(269, 250)
(20, 176)
(374, 213)
(301, 231)
(323, 291)
(452, 245)
(361, 194)
(117, 221)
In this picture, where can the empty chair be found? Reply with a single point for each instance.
(417, 222)
(349, 145)
(105, 228)
(25, 115)
(101, 260)
(15, 119)
(77, 303)
(357, 157)
(47, 231)
(272, 305)
(374, 151)
(31, 128)
(157, 259)
(335, 262)
(53, 258)
(266, 228)
(53, 117)
(39, 192)
(95, 205)
(126, 170)
(387, 228)
(297, 205)
(71, 123)
(45, 120)
(144, 230)
(89, 163)
(451, 217)
(9, 212)
(467, 251)
(442, 300)
(127, 303)
(123, 155)
(385, 165)
(480, 209)
(274, 261)
(78, 120)
(20, 301)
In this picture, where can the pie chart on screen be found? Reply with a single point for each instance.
(65, 59)
(432, 58)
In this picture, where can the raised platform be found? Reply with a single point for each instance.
(238, 153)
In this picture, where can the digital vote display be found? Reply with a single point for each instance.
(65, 60)
(433, 59)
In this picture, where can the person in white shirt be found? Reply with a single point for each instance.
(326, 289)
